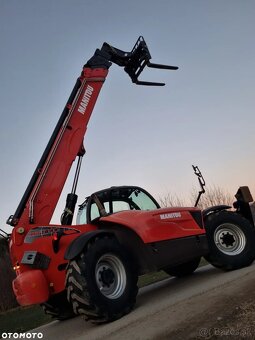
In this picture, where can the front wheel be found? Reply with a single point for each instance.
(102, 282)
(231, 240)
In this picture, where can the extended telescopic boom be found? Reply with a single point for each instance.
(66, 143)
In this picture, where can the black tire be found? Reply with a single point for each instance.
(231, 240)
(102, 282)
(58, 307)
(184, 269)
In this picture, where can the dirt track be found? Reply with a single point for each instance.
(207, 305)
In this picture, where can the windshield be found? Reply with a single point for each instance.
(114, 200)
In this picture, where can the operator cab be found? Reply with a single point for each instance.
(115, 199)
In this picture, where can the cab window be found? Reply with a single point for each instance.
(141, 200)
(114, 200)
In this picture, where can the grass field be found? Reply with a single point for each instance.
(22, 319)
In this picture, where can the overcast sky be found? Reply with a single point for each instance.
(137, 135)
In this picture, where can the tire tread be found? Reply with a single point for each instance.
(82, 299)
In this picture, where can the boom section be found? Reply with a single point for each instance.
(67, 144)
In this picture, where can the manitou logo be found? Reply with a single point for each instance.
(170, 215)
(85, 100)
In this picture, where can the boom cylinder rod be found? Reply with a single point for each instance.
(77, 173)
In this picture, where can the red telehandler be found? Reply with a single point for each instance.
(92, 268)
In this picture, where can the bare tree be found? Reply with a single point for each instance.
(7, 298)
(171, 200)
(213, 195)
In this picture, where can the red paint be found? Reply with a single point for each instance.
(31, 287)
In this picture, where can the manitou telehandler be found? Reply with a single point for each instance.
(92, 268)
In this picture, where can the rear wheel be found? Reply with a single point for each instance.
(102, 282)
(183, 269)
(58, 307)
(231, 240)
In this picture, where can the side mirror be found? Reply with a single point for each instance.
(201, 182)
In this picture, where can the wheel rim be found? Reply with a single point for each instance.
(229, 239)
(111, 276)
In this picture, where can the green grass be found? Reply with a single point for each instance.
(150, 278)
(23, 319)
